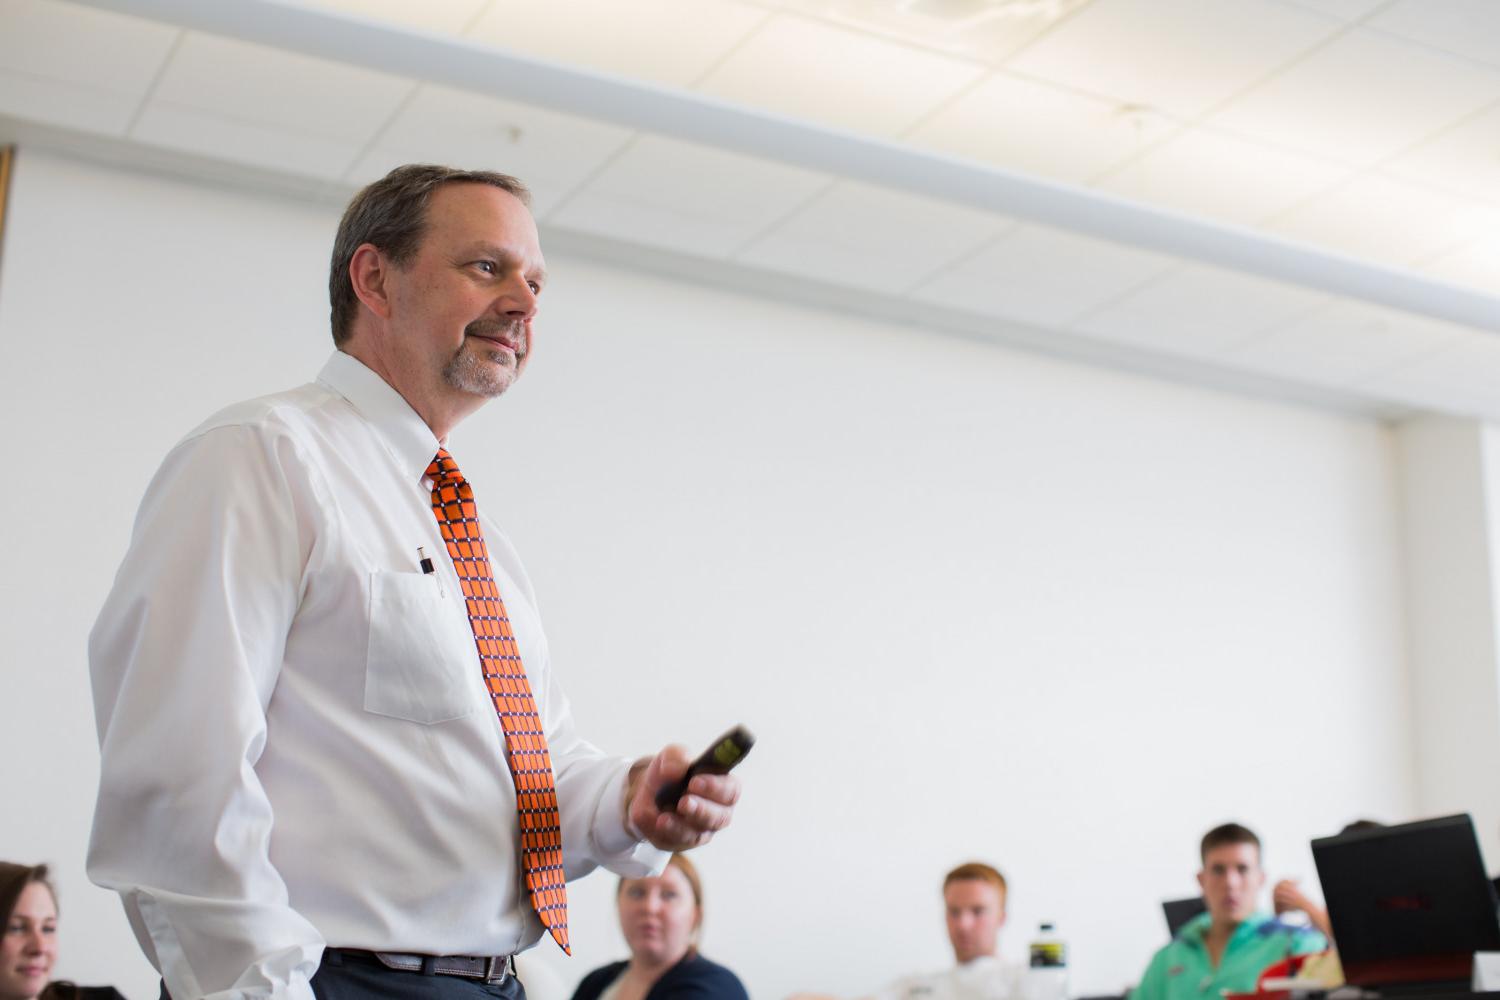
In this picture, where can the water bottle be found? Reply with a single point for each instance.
(1047, 978)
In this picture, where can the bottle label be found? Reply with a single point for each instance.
(1049, 955)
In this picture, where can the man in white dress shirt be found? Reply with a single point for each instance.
(304, 786)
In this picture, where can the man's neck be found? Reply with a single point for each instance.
(436, 409)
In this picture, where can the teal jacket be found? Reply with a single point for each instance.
(1181, 970)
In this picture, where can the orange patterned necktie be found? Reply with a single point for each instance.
(505, 677)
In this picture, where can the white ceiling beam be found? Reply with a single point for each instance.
(460, 63)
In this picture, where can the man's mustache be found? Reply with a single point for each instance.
(513, 334)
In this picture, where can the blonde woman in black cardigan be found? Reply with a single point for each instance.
(660, 918)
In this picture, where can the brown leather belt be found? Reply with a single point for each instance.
(491, 969)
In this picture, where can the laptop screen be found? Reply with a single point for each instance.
(1408, 903)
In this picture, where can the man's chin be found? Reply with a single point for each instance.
(487, 378)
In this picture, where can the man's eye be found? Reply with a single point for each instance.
(536, 289)
(487, 266)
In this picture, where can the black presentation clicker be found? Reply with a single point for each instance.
(727, 751)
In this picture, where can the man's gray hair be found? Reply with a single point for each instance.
(391, 215)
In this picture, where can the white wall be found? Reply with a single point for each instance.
(1451, 513)
(974, 603)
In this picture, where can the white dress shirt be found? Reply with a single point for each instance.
(984, 978)
(297, 745)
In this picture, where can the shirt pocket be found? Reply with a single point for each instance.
(421, 651)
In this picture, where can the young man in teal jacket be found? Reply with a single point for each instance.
(1226, 948)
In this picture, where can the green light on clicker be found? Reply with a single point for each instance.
(726, 753)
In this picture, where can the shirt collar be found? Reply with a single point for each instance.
(404, 433)
(1196, 929)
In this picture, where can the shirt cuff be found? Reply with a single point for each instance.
(621, 847)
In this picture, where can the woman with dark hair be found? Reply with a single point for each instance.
(29, 946)
(660, 918)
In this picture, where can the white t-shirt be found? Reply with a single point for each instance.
(986, 978)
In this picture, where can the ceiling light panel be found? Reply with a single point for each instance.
(1361, 98)
(1181, 57)
(671, 42)
(1042, 276)
(986, 30)
(279, 90)
(442, 17)
(553, 153)
(1468, 28)
(1387, 220)
(1345, 344)
(1040, 129)
(1199, 312)
(687, 197)
(1465, 158)
(866, 237)
(817, 72)
(1475, 265)
(1218, 176)
(77, 66)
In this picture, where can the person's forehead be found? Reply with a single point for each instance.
(970, 891)
(1232, 854)
(480, 212)
(36, 898)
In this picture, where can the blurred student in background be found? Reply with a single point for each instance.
(660, 918)
(1225, 948)
(29, 947)
(974, 904)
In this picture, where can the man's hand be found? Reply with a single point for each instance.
(1288, 896)
(703, 810)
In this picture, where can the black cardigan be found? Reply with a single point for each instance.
(693, 978)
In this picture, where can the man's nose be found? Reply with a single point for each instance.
(517, 302)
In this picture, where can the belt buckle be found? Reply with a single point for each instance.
(489, 967)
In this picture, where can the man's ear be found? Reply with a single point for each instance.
(369, 273)
(1201, 886)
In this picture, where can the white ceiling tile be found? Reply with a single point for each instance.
(1465, 27)
(1389, 221)
(1042, 276)
(1181, 57)
(206, 134)
(1475, 265)
(1465, 158)
(817, 72)
(687, 197)
(1037, 128)
(279, 90)
(69, 105)
(1199, 312)
(1344, 344)
(1349, 10)
(673, 42)
(1363, 97)
(1207, 173)
(1463, 374)
(82, 45)
(553, 153)
(443, 17)
(873, 238)
(988, 32)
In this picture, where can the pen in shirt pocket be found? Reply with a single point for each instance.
(425, 562)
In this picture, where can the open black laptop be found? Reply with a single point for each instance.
(1409, 904)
